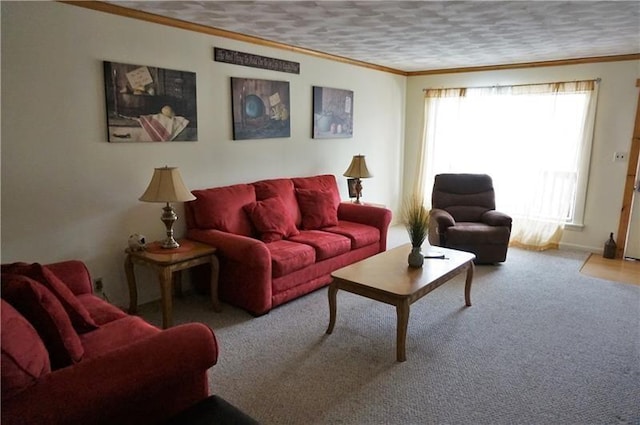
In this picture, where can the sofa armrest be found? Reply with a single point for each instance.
(144, 382)
(252, 252)
(496, 218)
(245, 269)
(74, 274)
(377, 217)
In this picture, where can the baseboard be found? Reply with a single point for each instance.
(583, 248)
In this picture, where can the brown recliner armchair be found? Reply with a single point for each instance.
(463, 217)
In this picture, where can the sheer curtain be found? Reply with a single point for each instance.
(533, 140)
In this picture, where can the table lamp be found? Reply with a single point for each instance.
(167, 186)
(358, 170)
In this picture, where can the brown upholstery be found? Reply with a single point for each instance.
(463, 217)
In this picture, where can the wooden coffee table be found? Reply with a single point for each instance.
(387, 278)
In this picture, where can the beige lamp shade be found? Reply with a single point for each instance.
(167, 186)
(358, 168)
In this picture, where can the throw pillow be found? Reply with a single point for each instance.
(79, 315)
(24, 358)
(45, 313)
(318, 208)
(220, 208)
(271, 219)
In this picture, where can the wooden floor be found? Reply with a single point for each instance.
(625, 271)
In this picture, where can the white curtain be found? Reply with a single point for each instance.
(533, 140)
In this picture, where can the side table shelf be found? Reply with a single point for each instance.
(167, 262)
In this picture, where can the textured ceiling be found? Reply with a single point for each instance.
(425, 35)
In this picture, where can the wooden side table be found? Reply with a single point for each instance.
(165, 262)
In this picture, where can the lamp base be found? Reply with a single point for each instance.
(358, 191)
(168, 218)
(170, 243)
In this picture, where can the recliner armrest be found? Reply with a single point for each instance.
(443, 218)
(496, 218)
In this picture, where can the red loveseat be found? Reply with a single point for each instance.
(280, 239)
(68, 357)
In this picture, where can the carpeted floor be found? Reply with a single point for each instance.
(542, 344)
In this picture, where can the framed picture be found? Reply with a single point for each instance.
(260, 109)
(332, 113)
(351, 184)
(150, 104)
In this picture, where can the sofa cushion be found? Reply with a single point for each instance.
(321, 182)
(271, 219)
(360, 234)
(101, 311)
(326, 244)
(318, 208)
(24, 358)
(79, 316)
(115, 335)
(287, 257)
(45, 313)
(285, 190)
(221, 208)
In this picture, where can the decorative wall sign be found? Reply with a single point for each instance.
(332, 113)
(255, 61)
(260, 108)
(148, 104)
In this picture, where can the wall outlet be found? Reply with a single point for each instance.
(619, 156)
(97, 285)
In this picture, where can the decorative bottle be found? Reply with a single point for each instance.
(610, 248)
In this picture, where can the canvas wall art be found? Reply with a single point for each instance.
(332, 113)
(150, 104)
(261, 109)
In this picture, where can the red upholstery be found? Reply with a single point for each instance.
(79, 315)
(222, 208)
(326, 244)
(271, 219)
(359, 234)
(287, 257)
(322, 182)
(282, 188)
(258, 276)
(131, 372)
(318, 208)
(45, 313)
(24, 356)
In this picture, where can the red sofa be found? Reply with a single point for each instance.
(68, 357)
(280, 239)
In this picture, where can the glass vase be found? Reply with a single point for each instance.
(416, 259)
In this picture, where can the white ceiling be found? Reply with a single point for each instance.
(425, 35)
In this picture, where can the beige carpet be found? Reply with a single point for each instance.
(542, 344)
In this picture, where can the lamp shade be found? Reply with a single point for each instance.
(358, 168)
(167, 186)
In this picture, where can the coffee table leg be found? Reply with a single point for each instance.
(467, 286)
(402, 310)
(333, 290)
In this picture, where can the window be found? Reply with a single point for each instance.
(533, 140)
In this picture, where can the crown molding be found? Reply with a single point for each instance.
(176, 23)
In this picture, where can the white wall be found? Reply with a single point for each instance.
(67, 193)
(613, 131)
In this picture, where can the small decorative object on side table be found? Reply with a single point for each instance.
(165, 262)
